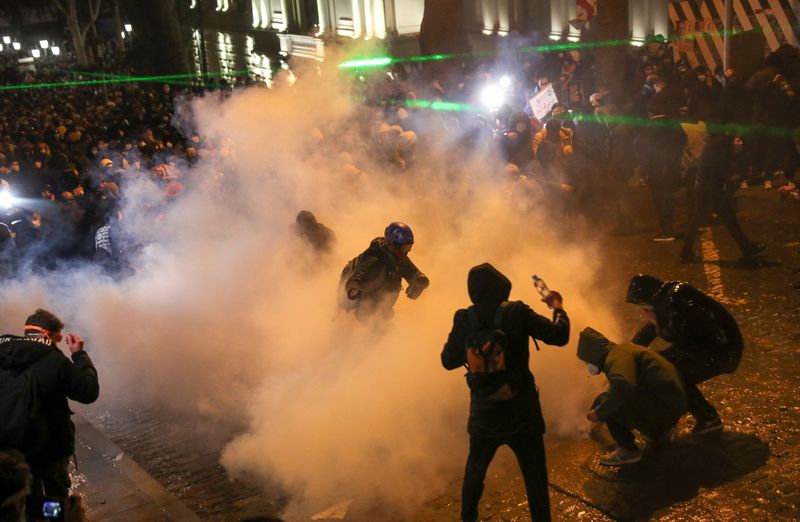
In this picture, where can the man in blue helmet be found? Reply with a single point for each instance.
(371, 283)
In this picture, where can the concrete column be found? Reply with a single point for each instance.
(659, 15)
(256, 11)
(358, 18)
(503, 16)
(266, 14)
(558, 17)
(389, 18)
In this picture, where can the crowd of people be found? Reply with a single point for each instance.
(67, 153)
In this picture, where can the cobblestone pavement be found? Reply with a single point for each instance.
(750, 472)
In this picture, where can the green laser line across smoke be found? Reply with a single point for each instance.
(620, 119)
(383, 61)
(121, 79)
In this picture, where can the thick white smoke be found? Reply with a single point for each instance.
(230, 316)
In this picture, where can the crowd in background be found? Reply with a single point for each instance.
(68, 153)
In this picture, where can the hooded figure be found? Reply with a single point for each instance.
(704, 338)
(517, 142)
(644, 393)
(315, 234)
(515, 419)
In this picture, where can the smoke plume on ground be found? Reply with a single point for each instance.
(229, 315)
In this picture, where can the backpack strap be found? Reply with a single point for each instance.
(474, 321)
(498, 316)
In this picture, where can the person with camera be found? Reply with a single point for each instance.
(35, 372)
(15, 486)
(490, 339)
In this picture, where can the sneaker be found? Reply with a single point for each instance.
(768, 185)
(621, 456)
(707, 426)
(663, 239)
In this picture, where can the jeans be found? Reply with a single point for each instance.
(529, 450)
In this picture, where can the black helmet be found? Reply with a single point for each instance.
(642, 288)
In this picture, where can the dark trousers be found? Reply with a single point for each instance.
(662, 186)
(694, 367)
(529, 450)
(49, 480)
(714, 199)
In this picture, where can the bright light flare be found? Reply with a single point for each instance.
(505, 82)
(55, 50)
(6, 199)
(129, 28)
(492, 97)
(36, 53)
(44, 44)
(17, 46)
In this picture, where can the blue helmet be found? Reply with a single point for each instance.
(399, 234)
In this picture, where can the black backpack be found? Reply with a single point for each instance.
(488, 376)
(23, 427)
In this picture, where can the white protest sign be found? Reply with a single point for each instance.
(542, 102)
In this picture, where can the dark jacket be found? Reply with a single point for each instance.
(519, 150)
(58, 379)
(694, 322)
(377, 273)
(660, 147)
(488, 288)
(644, 389)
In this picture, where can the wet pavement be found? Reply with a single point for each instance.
(749, 472)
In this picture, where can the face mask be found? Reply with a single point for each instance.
(593, 370)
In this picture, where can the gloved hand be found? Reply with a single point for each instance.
(415, 289)
(554, 300)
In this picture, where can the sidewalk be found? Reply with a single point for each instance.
(115, 487)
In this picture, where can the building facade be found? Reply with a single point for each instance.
(303, 29)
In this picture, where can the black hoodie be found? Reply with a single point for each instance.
(58, 379)
(488, 288)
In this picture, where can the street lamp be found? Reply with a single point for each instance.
(17, 46)
(36, 53)
(6, 40)
(55, 50)
(44, 44)
(129, 28)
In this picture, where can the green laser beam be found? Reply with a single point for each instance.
(739, 129)
(111, 75)
(123, 79)
(383, 61)
(620, 119)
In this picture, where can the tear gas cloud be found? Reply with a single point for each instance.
(230, 316)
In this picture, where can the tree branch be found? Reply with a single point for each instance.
(93, 12)
(60, 7)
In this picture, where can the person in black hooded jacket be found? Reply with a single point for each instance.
(704, 338)
(516, 421)
(57, 379)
